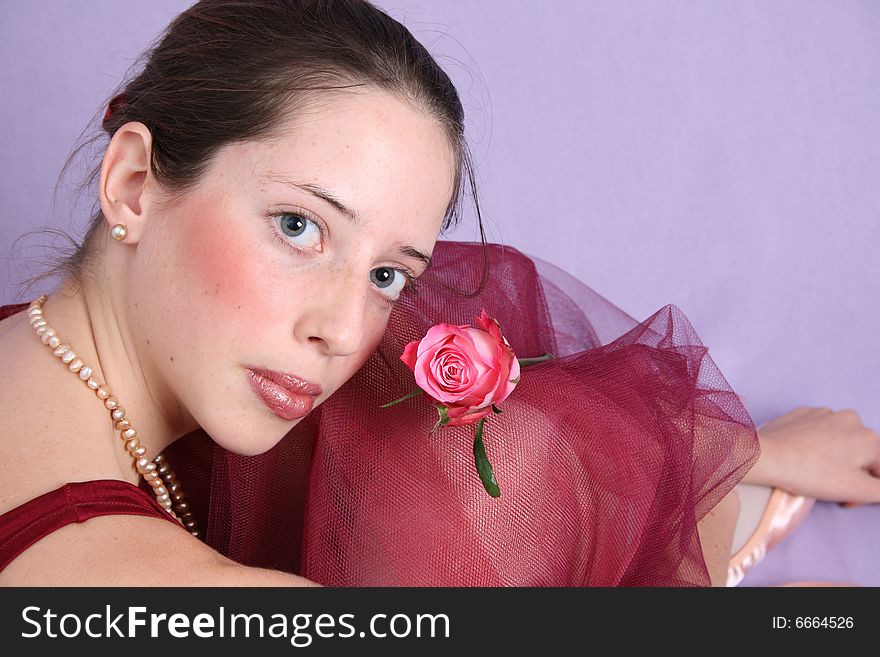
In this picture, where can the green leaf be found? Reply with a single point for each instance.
(483, 465)
(404, 398)
(496, 409)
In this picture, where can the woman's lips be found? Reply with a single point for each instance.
(275, 390)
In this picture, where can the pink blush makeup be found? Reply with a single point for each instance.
(229, 275)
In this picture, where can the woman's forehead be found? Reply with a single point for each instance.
(367, 151)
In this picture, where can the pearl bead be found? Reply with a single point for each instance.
(118, 232)
(147, 467)
(166, 496)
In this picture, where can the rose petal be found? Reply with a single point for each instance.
(445, 356)
(425, 378)
(437, 334)
(410, 353)
(489, 325)
(485, 346)
(459, 416)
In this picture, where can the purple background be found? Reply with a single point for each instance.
(723, 156)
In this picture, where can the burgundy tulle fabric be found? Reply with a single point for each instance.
(607, 455)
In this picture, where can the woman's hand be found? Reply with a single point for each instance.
(820, 453)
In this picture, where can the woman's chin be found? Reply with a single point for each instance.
(248, 443)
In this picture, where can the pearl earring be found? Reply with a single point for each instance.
(119, 232)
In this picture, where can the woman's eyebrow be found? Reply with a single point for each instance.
(352, 215)
(413, 252)
(325, 195)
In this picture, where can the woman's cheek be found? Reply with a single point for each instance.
(230, 279)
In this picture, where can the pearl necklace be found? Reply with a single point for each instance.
(157, 472)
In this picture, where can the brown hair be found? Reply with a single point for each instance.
(230, 70)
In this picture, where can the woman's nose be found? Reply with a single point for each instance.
(334, 316)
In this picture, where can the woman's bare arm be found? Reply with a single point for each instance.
(819, 453)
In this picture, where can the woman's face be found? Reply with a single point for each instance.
(286, 259)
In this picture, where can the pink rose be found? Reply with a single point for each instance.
(465, 369)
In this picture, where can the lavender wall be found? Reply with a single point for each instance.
(723, 156)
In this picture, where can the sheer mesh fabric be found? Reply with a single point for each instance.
(607, 455)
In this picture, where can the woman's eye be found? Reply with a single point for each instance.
(391, 281)
(300, 230)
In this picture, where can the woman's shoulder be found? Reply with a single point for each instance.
(126, 550)
(111, 550)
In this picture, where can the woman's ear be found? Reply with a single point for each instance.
(123, 183)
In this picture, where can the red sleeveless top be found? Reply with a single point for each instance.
(23, 526)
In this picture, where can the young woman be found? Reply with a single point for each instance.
(275, 181)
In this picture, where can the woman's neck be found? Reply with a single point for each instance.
(91, 317)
